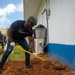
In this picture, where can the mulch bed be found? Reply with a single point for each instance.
(50, 67)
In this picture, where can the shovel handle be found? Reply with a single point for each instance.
(19, 47)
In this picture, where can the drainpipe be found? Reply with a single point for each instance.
(45, 10)
(47, 17)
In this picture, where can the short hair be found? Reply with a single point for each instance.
(32, 20)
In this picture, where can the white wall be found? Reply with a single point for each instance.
(41, 18)
(62, 21)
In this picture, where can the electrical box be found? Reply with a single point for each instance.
(38, 47)
(40, 33)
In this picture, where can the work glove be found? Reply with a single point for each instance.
(35, 54)
(12, 44)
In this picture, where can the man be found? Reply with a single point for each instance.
(1, 40)
(16, 34)
(4, 38)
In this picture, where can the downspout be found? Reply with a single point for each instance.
(45, 10)
(47, 17)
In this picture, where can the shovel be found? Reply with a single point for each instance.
(19, 47)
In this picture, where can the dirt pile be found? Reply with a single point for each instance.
(50, 67)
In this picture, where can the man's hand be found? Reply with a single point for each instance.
(35, 54)
(12, 44)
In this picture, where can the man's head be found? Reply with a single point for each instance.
(30, 22)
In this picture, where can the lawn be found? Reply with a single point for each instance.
(17, 56)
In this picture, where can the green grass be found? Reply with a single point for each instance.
(0, 46)
(0, 49)
(18, 55)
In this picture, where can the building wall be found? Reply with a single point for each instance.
(61, 22)
(61, 29)
(40, 17)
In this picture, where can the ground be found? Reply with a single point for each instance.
(48, 67)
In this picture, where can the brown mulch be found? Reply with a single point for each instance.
(48, 67)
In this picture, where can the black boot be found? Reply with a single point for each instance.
(0, 67)
(27, 61)
(0, 70)
(29, 66)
